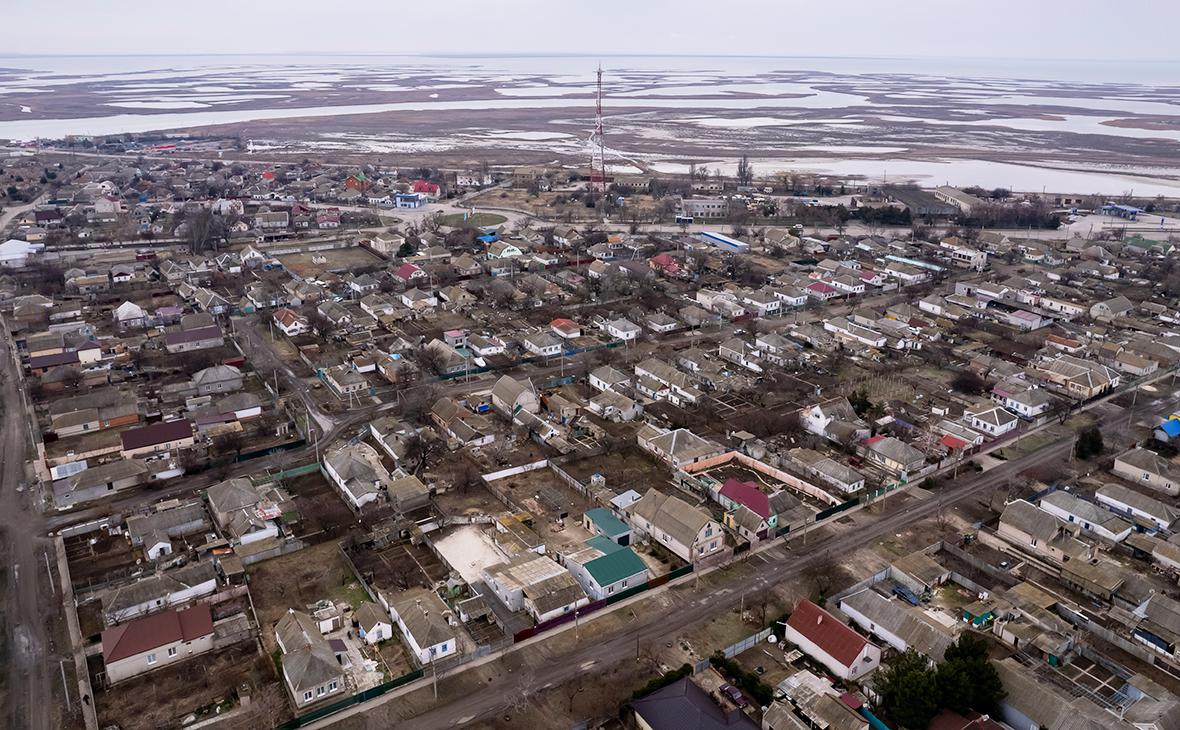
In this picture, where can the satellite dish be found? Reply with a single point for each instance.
(772, 639)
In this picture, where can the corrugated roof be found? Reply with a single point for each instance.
(157, 630)
(827, 632)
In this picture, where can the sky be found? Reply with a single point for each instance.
(1134, 30)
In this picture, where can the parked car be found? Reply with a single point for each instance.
(906, 595)
(735, 695)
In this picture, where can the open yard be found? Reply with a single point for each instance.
(109, 557)
(398, 567)
(165, 697)
(299, 579)
(323, 514)
(337, 259)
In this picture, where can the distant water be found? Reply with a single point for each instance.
(1152, 73)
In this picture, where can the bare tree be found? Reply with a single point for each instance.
(745, 173)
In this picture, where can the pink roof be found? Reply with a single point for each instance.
(821, 287)
(748, 494)
(407, 270)
(827, 632)
(873, 440)
(867, 274)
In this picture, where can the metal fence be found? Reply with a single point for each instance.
(749, 642)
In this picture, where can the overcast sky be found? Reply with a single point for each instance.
(1054, 29)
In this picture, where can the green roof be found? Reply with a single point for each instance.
(616, 564)
(607, 523)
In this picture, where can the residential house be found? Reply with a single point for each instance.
(823, 637)
(536, 584)
(1140, 508)
(1071, 509)
(423, 620)
(623, 329)
(1147, 468)
(155, 641)
(689, 532)
(311, 669)
(247, 513)
(894, 455)
(682, 705)
(511, 396)
(678, 447)
(357, 473)
(604, 567)
(897, 624)
(1035, 530)
(373, 624)
(990, 419)
(157, 437)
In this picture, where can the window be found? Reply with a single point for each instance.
(319, 691)
(624, 582)
(610, 589)
(307, 696)
(332, 686)
(444, 646)
(433, 650)
(171, 651)
(151, 658)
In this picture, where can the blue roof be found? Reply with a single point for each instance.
(610, 525)
(488, 238)
(1171, 427)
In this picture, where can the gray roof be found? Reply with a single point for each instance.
(1086, 511)
(156, 586)
(1031, 520)
(424, 615)
(1151, 462)
(1141, 502)
(891, 615)
(671, 514)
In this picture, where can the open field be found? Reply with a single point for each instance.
(479, 220)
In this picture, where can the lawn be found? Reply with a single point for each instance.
(479, 220)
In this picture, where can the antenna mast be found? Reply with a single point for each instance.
(598, 167)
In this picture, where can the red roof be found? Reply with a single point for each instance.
(406, 271)
(873, 440)
(565, 325)
(749, 494)
(424, 186)
(155, 631)
(827, 632)
(821, 287)
(954, 442)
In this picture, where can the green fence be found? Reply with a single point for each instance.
(295, 471)
(836, 509)
(356, 699)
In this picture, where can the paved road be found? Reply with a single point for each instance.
(28, 660)
(694, 606)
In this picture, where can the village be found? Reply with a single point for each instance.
(309, 441)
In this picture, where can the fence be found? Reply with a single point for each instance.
(750, 641)
(493, 476)
(295, 471)
(836, 509)
(347, 702)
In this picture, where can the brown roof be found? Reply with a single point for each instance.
(827, 632)
(194, 335)
(156, 433)
(151, 632)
